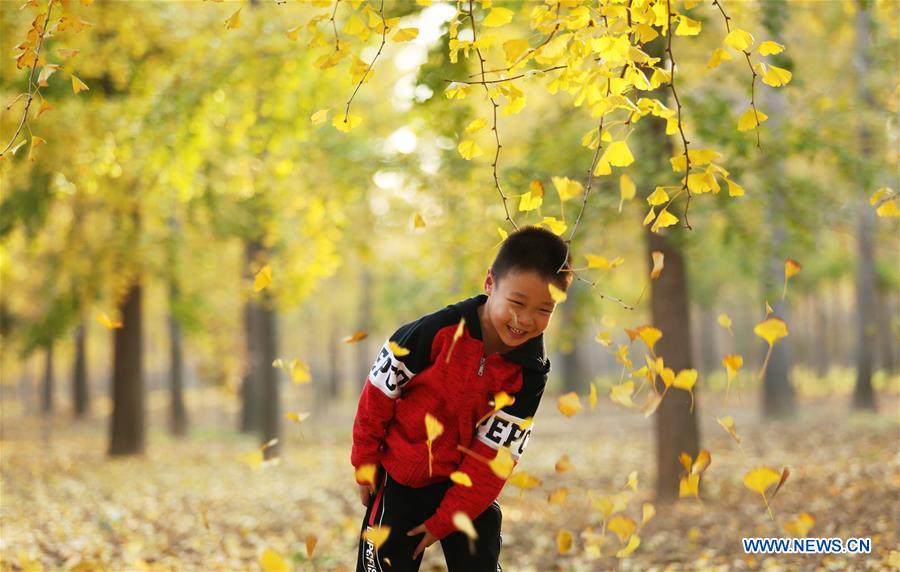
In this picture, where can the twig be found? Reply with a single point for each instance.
(487, 81)
(337, 41)
(718, 5)
(494, 126)
(363, 79)
(684, 141)
(528, 52)
(31, 90)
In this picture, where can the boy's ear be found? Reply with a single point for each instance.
(489, 281)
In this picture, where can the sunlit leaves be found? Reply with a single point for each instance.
(534, 198)
(497, 17)
(234, 21)
(555, 225)
(732, 363)
(456, 90)
(622, 394)
(750, 119)
(769, 48)
(35, 143)
(469, 149)
(775, 76)
(771, 330)
(345, 124)
(885, 202)
(107, 323)
(739, 39)
(405, 34)
(476, 125)
(658, 197)
(725, 322)
(319, 117)
(569, 404)
(727, 423)
(718, 56)
(563, 465)
(564, 541)
(686, 379)
(603, 263)
(567, 188)
(47, 71)
(298, 370)
(690, 478)
(558, 496)
(296, 417)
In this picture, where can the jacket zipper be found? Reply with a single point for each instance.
(481, 366)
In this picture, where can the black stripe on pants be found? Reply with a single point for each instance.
(403, 508)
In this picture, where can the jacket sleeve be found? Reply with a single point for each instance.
(508, 428)
(385, 383)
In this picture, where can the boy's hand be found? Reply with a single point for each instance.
(427, 541)
(365, 492)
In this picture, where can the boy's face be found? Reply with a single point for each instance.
(519, 305)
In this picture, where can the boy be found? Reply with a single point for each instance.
(455, 379)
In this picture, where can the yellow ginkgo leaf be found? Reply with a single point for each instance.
(592, 398)
(649, 335)
(668, 376)
(725, 322)
(718, 56)
(357, 336)
(405, 34)
(732, 363)
(556, 293)
(750, 119)
(701, 463)
(502, 464)
(648, 511)
(343, 125)
(769, 309)
(296, 416)
(618, 154)
(47, 71)
(262, 279)
(107, 322)
(254, 460)
(476, 125)
(272, 561)
(558, 496)
(469, 149)
(689, 486)
(632, 545)
(760, 479)
(632, 482)
(686, 379)
(461, 478)
(776, 77)
(234, 21)
(658, 264)
(791, 268)
(687, 26)
(45, 106)
(319, 117)
(433, 427)
(664, 220)
(734, 189)
(365, 474)
(888, 209)
(739, 39)
(727, 423)
(418, 221)
(658, 197)
(800, 525)
(627, 190)
(311, 541)
(564, 541)
(377, 535)
(497, 17)
(622, 393)
(397, 349)
(524, 481)
(502, 399)
(21, 144)
(621, 526)
(35, 143)
(456, 335)
(563, 465)
(771, 330)
(769, 48)
(463, 523)
(569, 404)
(566, 187)
(294, 33)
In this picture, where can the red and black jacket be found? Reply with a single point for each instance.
(458, 388)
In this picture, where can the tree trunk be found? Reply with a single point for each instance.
(178, 421)
(364, 354)
(47, 390)
(81, 396)
(886, 335)
(334, 359)
(127, 425)
(569, 362)
(864, 394)
(269, 376)
(251, 411)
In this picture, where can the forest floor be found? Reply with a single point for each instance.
(196, 504)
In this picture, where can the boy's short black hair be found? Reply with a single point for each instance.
(537, 249)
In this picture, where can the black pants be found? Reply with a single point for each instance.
(403, 508)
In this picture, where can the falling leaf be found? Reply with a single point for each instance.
(234, 21)
(649, 335)
(727, 423)
(78, 85)
(433, 427)
(689, 486)
(456, 335)
(45, 106)
(108, 323)
(563, 465)
(602, 262)
(418, 221)
(47, 71)
(769, 48)
(567, 188)
(357, 336)
(502, 399)
(469, 149)
(524, 481)
(648, 511)
(592, 398)
(461, 478)
(319, 117)
(365, 474)
(497, 17)
(558, 496)
(791, 269)
(294, 33)
(632, 545)
(262, 279)
(343, 125)
(300, 372)
(272, 561)
(502, 464)
(397, 350)
(658, 263)
(476, 125)
(622, 394)
(557, 294)
(632, 482)
(800, 525)
(569, 404)
(296, 416)
(701, 463)
(35, 143)
(686, 379)
(254, 460)
(377, 535)
(463, 523)
(785, 473)
(555, 225)
(769, 309)
(725, 322)
(627, 190)
(771, 330)
(311, 541)
(564, 541)
(621, 526)
(718, 56)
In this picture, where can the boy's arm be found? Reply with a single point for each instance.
(384, 384)
(503, 429)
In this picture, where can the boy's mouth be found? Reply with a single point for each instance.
(516, 333)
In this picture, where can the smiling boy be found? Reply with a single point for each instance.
(432, 366)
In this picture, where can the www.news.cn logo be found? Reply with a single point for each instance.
(807, 545)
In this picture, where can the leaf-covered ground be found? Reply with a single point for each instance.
(196, 505)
